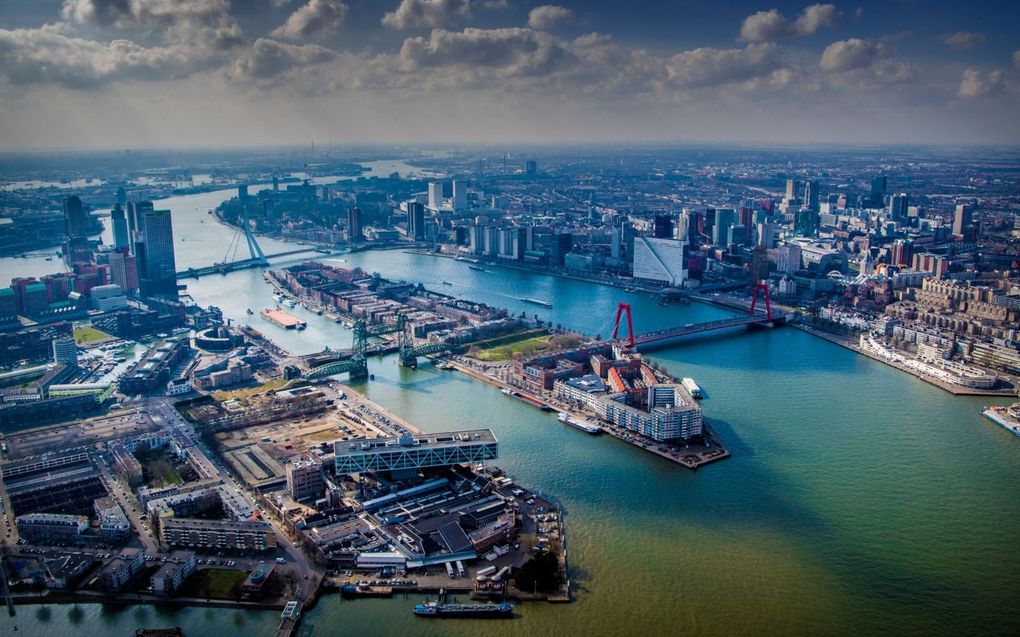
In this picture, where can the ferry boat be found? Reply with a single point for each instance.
(487, 611)
(577, 424)
(1006, 417)
(536, 302)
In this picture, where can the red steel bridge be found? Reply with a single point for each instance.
(658, 338)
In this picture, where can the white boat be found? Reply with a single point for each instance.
(509, 392)
(691, 387)
(290, 302)
(577, 424)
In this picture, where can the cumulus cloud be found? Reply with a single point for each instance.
(716, 67)
(317, 18)
(963, 40)
(978, 84)
(205, 23)
(548, 16)
(767, 26)
(50, 54)
(415, 14)
(512, 52)
(847, 55)
(267, 58)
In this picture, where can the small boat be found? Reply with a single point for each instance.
(249, 311)
(447, 283)
(536, 302)
(476, 268)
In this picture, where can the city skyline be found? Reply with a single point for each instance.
(103, 74)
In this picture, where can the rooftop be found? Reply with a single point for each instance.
(423, 441)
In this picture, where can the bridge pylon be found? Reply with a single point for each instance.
(254, 249)
(359, 356)
(620, 309)
(763, 287)
(408, 357)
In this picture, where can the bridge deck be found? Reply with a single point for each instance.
(707, 326)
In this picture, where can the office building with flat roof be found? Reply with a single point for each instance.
(408, 453)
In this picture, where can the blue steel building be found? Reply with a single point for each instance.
(408, 453)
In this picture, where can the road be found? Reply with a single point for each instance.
(304, 572)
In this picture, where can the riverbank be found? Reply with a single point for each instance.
(627, 286)
(955, 390)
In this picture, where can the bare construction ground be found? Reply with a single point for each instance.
(78, 433)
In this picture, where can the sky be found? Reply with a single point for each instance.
(178, 73)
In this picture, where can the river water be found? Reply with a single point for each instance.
(859, 500)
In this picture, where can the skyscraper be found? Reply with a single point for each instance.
(354, 232)
(435, 195)
(962, 219)
(459, 195)
(878, 188)
(415, 221)
(75, 219)
(811, 194)
(660, 260)
(806, 223)
(121, 238)
(791, 189)
(724, 218)
(124, 270)
(662, 227)
(898, 207)
(135, 211)
(154, 251)
(531, 167)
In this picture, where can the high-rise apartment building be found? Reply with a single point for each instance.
(660, 260)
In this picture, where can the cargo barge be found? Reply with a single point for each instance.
(530, 400)
(282, 319)
(484, 611)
